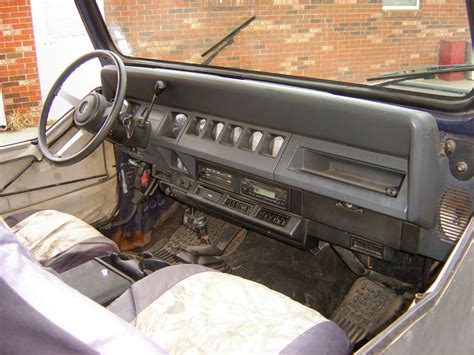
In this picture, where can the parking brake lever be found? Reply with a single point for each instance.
(130, 267)
(160, 86)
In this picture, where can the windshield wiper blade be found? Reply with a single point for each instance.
(225, 42)
(426, 72)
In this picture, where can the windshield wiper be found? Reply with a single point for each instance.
(427, 72)
(225, 42)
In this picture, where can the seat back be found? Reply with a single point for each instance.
(41, 314)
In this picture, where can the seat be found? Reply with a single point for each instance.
(183, 308)
(59, 240)
(194, 309)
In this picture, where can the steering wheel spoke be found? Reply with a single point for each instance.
(74, 101)
(107, 112)
(71, 142)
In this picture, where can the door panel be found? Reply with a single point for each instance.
(87, 189)
(92, 203)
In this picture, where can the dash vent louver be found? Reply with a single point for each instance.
(454, 213)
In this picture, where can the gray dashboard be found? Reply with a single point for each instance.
(379, 162)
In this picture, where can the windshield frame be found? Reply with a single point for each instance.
(101, 39)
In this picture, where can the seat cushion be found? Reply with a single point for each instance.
(60, 240)
(193, 309)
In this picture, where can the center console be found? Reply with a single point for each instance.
(97, 280)
(105, 278)
(265, 205)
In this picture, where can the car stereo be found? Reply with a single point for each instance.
(217, 176)
(237, 183)
(264, 192)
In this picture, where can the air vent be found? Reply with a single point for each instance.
(273, 217)
(366, 247)
(238, 205)
(454, 213)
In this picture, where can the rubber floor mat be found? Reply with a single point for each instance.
(363, 308)
(317, 279)
(185, 236)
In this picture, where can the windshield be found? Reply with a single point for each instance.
(339, 40)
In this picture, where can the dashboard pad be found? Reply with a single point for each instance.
(291, 163)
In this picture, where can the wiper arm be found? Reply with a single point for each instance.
(427, 72)
(225, 42)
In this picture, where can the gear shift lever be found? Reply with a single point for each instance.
(200, 225)
(204, 254)
(160, 86)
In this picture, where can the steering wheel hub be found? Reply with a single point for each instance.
(90, 111)
(83, 107)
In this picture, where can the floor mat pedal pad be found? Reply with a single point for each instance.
(363, 308)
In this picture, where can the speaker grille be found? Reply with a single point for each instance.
(454, 213)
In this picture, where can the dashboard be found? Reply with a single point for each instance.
(291, 163)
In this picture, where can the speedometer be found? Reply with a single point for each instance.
(177, 124)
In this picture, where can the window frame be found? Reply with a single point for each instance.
(458, 106)
(401, 7)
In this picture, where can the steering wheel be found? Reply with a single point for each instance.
(93, 113)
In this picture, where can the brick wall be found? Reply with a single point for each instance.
(19, 79)
(346, 40)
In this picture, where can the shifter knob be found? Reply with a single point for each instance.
(160, 86)
(200, 226)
